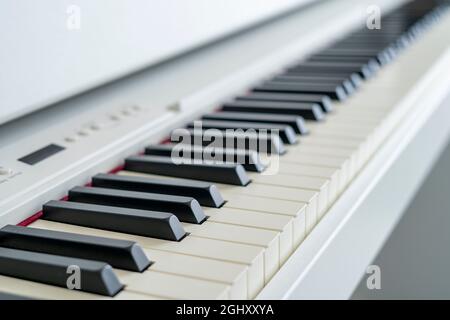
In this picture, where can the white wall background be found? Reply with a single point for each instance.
(415, 261)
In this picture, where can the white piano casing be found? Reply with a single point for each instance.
(227, 69)
(105, 127)
(58, 49)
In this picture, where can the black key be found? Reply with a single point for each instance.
(161, 225)
(324, 101)
(310, 111)
(376, 44)
(354, 78)
(383, 57)
(305, 80)
(223, 173)
(314, 66)
(186, 209)
(95, 277)
(335, 92)
(323, 67)
(373, 64)
(297, 123)
(270, 144)
(341, 58)
(205, 193)
(120, 254)
(285, 132)
(359, 52)
(249, 159)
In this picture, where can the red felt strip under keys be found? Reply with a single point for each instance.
(39, 214)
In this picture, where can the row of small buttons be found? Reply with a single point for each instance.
(5, 171)
(111, 120)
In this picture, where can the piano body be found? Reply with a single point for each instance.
(361, 116)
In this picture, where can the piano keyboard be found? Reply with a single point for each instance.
(157, 229)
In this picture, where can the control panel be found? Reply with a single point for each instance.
(45, 165)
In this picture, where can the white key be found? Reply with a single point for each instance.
(336, 125)
(129, 295)
(368, 134)
(267, 239)
(271, 241)
(172, 286)
(313, 140)
(37, 290)
(229, 192)
(356, 145)
(319, 185)
(269, 195)
(370, 99)
(331, 174)
(228, 273)
(297, 210)
(279, 223)
(348, 133)
(251, 258)
(326, 161)
(342, 153)
(338, 132)
(352, 117)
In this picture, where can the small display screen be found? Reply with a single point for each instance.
(41, 154)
